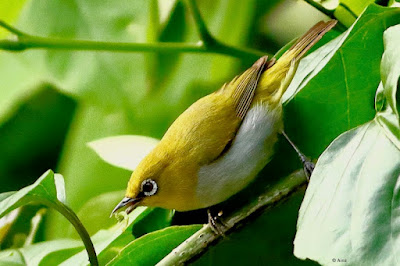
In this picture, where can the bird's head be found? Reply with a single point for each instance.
(159, 181)
(144, 185)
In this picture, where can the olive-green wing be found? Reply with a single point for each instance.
(205, 130)
(242, 88)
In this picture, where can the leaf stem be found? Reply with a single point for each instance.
(205, 35)
(11, 29)
(202, 239)
(74, 220)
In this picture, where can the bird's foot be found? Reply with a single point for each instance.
(215, 223)
(308, 167)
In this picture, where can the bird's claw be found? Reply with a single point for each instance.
(215, 223)
(308, 167)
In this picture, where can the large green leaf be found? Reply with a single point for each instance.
(336, 95)
(151, 248)
(351, 208)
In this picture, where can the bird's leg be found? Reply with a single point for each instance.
(308, 165)
(215, 223)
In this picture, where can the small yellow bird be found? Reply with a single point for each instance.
(218, 145)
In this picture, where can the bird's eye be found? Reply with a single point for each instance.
(149, 187)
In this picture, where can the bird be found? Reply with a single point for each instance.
(216, 147)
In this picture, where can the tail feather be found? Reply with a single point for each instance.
(275, 80)
(311, 37)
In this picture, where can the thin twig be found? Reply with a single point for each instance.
(208, 43)
(202, 239)
(11, 29)
(36, 42)
(205, 35)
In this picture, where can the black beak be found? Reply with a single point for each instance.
(130, 202)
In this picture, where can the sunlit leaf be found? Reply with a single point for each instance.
(123, 151)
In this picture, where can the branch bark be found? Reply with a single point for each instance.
(202, 239)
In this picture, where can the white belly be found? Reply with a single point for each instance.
(251, 150)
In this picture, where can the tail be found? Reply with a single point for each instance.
(311, 37)
(275, 80)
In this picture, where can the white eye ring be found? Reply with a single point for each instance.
(153, 190)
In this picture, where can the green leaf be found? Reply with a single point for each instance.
(348, 10)
(44, 190)
(105, 238)
(350, 210)
(95, 218)
(148, 221)
(109, 242)
(157, 219)
(12, 258)
(335, 94)
(123, 151)
(48, 190)
(151, 248)
(40, 253)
